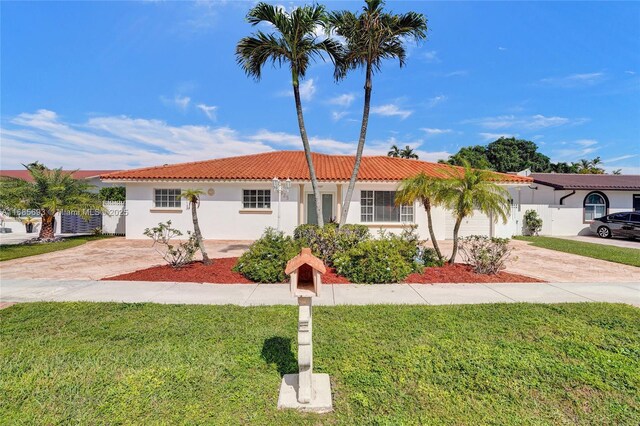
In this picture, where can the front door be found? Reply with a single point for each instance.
(636, 202)
(327, 208)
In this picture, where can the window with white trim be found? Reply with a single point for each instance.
(379, 206)
(595, 206)
(256, 198)
(167, 198)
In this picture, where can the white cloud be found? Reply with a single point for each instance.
(575, 150)
(630, 72)
(433, 131)
(208, 110)
(181, 102)
(620, 158)
(586, 142)
(532, 122)
(493, 136)
(345, 100)
(338, 115)
(432, 56)
(502, 48)
(437, 100)
(390, 110)
(457, 73)
(307, 90)
(574, 80)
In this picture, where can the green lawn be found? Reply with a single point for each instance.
(91, 363)
(15, 251)
(627, 256)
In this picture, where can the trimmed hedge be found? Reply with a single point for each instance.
(267, 257)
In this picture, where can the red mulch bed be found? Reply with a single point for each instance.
(460, 273)
(219, 272)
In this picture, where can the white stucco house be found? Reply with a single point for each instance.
(567, 203)
(240, 202)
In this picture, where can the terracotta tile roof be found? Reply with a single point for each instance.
(78, 174)
(292, 165)
(587, 181)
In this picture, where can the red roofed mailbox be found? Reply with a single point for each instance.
(305, 271)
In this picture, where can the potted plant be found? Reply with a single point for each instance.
(29, 222)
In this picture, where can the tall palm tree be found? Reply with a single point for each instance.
(49, 192)
(425, 189)
(468, 189)
(294, 43)
(193, 197)
(372, 36)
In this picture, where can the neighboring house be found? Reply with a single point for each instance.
(239, 201)
(567, 203)
(69, 223)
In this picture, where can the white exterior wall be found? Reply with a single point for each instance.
(221, 216)
(566, 219)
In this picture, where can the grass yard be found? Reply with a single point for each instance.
(91, 363)
(15, 251)
(626, 256)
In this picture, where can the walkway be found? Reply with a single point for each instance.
(336, 294)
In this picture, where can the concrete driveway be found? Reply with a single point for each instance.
(104, 258)
(617, 242)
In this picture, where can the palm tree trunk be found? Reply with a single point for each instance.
(46, 230)
(363, 134)
(196, 231)
(456, 228)
(427, 207)
(307, 150)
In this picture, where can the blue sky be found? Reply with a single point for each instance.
(128, 84)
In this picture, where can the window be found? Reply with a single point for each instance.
(595, 206)
(256, 198)
(169, 198)
(379, 206)
(619, 217)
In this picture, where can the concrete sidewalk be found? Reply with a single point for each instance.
(333, 294)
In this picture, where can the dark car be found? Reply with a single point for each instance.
(625, 224)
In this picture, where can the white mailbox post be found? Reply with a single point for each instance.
(305, 391)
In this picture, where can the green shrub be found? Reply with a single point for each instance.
(326, 242)
(388, 259)
(532, 222)
(267, 257)
(429, 257)
(486, 255)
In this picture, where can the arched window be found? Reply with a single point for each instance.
(596, 205)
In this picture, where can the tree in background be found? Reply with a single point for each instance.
(371, 37)
(406, 152)
(471, 189)
(49, 192)
(475, 156)
(427, 190)
(193, 197)
(563, 167)
(585, 166)
(293, 43)
(113, 193)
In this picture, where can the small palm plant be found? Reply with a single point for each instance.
(293, 42)
(371, 37)
(50, 191)
(193, 197)
(425, 189)
(467, 189)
